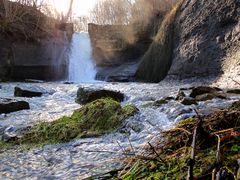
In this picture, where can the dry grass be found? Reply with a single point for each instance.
(23, 20)
(168, 159)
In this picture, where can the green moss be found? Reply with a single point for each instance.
(188, 120)
(157, 60)
(94, 119)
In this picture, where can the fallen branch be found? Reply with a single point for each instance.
(234, 81)
(191, 162)
(158, 156)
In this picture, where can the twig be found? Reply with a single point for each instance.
(131, 145)
(191, 162)
(176, 129)
(192, 159)
(218, 149)
(218, 158)
(230, 130)
(158, 156)
(234, 81)
(123, 150)
(112, 152)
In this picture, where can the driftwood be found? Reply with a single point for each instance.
(191, 162)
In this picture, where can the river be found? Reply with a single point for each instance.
(84, 157)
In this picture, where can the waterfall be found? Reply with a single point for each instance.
(81, 64)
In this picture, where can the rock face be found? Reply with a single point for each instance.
(202, 40)
(85, 95)
(207, 38)
(11, 105)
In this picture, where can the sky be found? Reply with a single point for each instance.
(80, 7)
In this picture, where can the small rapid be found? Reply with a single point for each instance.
(82, 158)
(81, 64)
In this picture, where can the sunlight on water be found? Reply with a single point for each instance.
(81, 64)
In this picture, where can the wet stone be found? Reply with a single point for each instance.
(11, 105)
(85, 95)
(30, 91)
(205, 97)
(9, 133)
(189, 101)
(203, 90)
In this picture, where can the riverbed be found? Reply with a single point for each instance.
(82, 158)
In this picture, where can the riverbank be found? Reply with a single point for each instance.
(202, 147)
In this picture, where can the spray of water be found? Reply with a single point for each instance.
(81, 64)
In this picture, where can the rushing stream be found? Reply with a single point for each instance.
(84, 157)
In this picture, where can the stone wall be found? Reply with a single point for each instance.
(34, 46)
(46, 59)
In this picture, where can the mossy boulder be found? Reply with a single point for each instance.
(94, 119)
(86, 95)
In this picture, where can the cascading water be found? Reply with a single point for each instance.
(81, 64)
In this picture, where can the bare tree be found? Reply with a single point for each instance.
(111, 12)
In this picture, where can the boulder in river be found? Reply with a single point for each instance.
(205, 97)
(11, 105)
(189, 101)
(30, 91)
(85, 95)
(180, 95)
(93, 119)
(203, 90)
(233, 91)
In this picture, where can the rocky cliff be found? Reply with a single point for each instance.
(34, 46)
(205, 38)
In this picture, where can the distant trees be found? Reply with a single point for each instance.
(128, 11)
(111, 12)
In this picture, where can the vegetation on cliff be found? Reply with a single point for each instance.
(157, 60)
(94, 119)
(216, 149)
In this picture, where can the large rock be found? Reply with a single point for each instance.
(85, 95)
(29, 91)
(207, 37)
(189, 101)
(11, 105)
(202, 40)
(200, 90)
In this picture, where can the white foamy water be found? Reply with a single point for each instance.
(81, 64)
(82, 158)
